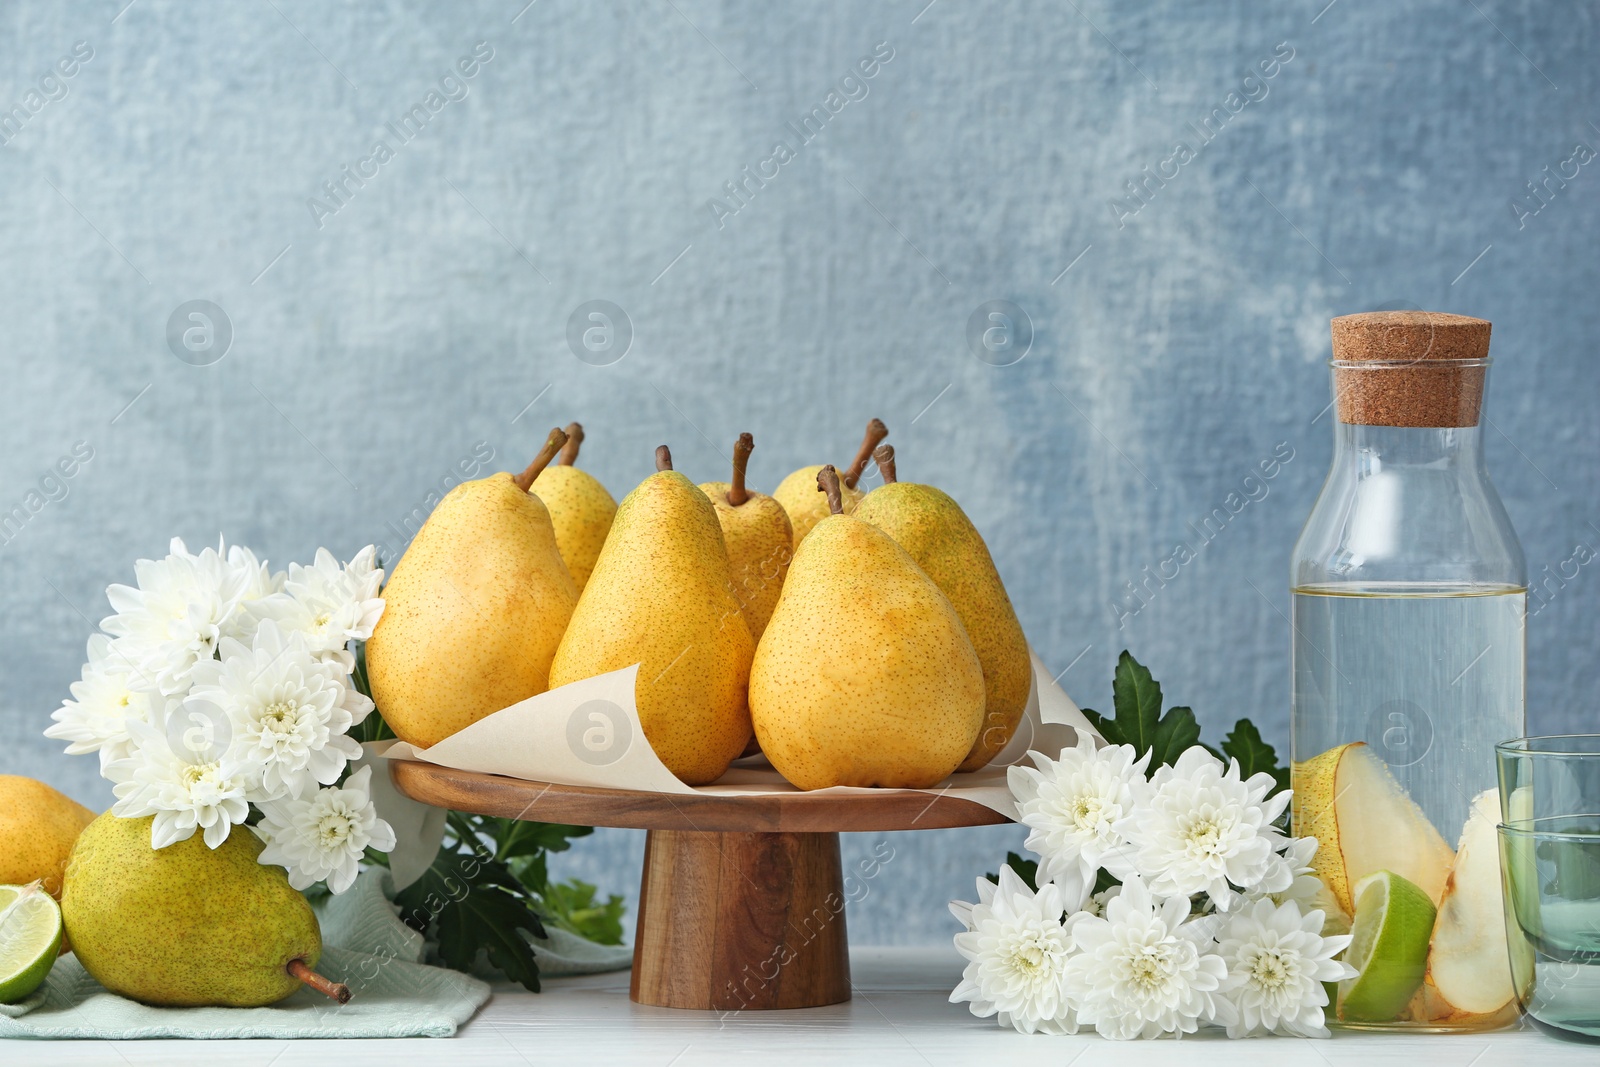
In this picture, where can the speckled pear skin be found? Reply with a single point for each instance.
(804, 505)
(660, 596)
(472, 614)
(37, 829)
(935, 532)
(581, 510)
(760, 545)
(185, 926)
(865, 675)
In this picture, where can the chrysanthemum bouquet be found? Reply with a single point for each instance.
(220, 695)
(1166, 895)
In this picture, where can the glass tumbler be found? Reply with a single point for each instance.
(1550, 858)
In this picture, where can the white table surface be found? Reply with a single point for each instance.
(900, 1016)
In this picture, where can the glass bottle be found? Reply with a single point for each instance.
(1409, 601)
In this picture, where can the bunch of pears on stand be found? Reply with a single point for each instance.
(855, 638)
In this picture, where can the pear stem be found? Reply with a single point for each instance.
(883, 455)
(737, 494)
(663, 458)
(828, 482)
(328, 988)
(569, 451)
(876, 432)
(552, 445)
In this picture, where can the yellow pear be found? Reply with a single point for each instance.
(756, 530)
(38, 827)
(936, 533)
(580, 508)
(187, 925)
(865, 675)
(798, 492)
(475, 609)
(661, 596)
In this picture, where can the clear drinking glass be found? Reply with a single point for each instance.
(1409, 600)
(1550, 857)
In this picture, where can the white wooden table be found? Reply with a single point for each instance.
(899, 1016)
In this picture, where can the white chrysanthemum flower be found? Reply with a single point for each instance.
(1144, 969)
(184, 792)
(324, 835)
(1017, 950)
(177, 614)
(1277, 961)
(289, 712)
(258, 583)
(1202, 829)
(1072, 807)
(329, 604)
(103, 703)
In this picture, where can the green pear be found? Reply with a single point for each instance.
(802, 502)
(580, 508)
(936, 533)
(475, 608)
(661, 596)
(865, 675)
(186, 925)
(756, 530)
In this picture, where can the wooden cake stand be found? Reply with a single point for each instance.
(742, 902)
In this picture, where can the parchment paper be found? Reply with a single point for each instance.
(588, 734)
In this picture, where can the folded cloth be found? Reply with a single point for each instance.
(365, 945)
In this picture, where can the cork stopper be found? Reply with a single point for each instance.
(1409, 368)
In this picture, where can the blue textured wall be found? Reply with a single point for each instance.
(1178, 338)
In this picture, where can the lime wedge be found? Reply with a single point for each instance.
(30, 939)
(1389, 946)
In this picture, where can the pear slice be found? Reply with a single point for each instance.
(1364, 822)
(1469, 964)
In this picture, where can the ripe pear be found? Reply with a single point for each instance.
(936, 533)
(756, 530)
(186, 925)
(865, 675)
(806, 506)
(580, 508)
(38, 827)
(475, 608)
(661, 596)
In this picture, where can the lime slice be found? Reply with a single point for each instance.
(1389, 946)
(30, 939)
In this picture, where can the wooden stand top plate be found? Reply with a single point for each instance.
(798, 812)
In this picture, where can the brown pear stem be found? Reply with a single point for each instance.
(552, 445)
(828, 482)
(569, 451)
(883, 455)
(663, 458)
(737, 494)
(327, 987)
(876, 432)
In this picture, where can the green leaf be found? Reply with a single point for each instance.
(1137, 697)
(1177, 731)
(467, 901)
(516, 838)
(1254, 755)
(572, 906)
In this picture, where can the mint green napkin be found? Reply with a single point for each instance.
(365, 945)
